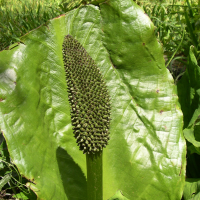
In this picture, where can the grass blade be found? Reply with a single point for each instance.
(4, 180)
(176, 49)
(191, 30)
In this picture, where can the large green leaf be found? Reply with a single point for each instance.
(118, 196)
(145, 158)
(192, 189)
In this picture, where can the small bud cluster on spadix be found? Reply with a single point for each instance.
(88, 97)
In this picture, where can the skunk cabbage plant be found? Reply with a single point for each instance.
(145, 157)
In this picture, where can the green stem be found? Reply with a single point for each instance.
(94, 176)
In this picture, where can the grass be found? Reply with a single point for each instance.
(177, 27)
(20, 17)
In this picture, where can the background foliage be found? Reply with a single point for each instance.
(177, 27)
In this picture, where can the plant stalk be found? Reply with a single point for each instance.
(94, 176)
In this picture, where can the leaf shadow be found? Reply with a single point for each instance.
(74, 181)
